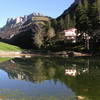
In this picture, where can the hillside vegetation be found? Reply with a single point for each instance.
(68, 18)
(46, 33)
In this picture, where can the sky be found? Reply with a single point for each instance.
(15, 8)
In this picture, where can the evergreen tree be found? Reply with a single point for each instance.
(93, 15)
(54, 24)
(82, 20)
(66, 22)
(38, 39)
(87, 19)
(61, 24)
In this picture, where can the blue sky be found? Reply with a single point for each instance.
(14, 8)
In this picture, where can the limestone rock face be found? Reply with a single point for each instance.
(14, 24)
(23, 35)
(21, 20)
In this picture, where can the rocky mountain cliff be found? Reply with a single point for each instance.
(13, 25)
(21, 20)
(27, 32)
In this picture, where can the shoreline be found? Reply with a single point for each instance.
(50, 54)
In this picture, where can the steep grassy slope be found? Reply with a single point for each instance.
(8, 47)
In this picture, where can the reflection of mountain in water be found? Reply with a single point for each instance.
(86, 78)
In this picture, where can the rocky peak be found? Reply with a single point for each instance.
(21, 24)
(22, 19)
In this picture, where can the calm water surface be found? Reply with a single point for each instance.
(49, 79)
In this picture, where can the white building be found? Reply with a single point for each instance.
(70, 34)
(71, 72)
(74, 72)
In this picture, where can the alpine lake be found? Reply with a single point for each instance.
(55, 78)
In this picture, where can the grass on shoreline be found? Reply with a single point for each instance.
(7, 47)
(4, 59)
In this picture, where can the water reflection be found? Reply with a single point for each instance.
(56, 78)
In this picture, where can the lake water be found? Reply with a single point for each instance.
(49, 78)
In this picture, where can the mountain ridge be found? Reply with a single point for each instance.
(43, 29)
(15, 25)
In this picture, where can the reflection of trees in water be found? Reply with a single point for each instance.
(40, 69)
(35, 70)
(87, 82)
